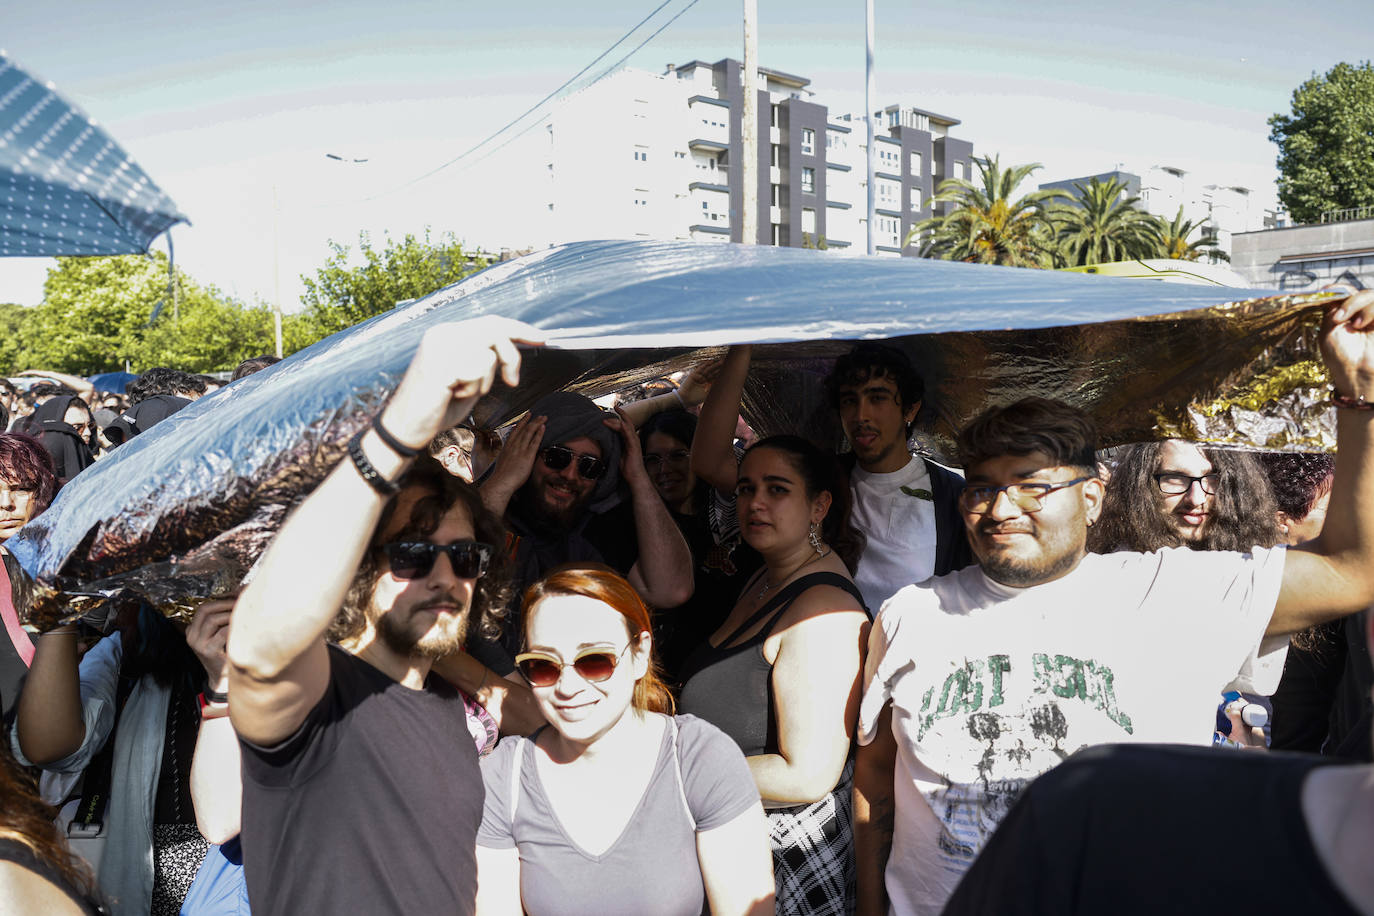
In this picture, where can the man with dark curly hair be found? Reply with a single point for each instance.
(361, 791)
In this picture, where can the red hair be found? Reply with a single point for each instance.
(601, 583)
(26, 465)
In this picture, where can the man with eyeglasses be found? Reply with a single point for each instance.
(978, 681)
(560, 484)
(361, 790)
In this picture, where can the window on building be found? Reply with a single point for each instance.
(777, 234)
(808, 220)
(914, 164)
(915, 200)
(772, 154)
(961, 169)
(808, 181)
(808, 141)
(776, 195)
(773, 116)
(641, 155)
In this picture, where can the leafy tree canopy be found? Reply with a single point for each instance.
(99, 314)
(1326, 146)
(343, 293)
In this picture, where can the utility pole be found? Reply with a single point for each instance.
(276, 270)
(870, 93)
(749, 129)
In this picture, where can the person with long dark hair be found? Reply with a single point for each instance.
(617, 806)
(721, 562)
(66, 427)
(1176, 494)
(781, 674)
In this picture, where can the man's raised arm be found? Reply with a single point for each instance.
(1333, 575)
(279, 666)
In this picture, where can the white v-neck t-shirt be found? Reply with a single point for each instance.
(992, 685)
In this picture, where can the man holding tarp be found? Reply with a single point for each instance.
(978, 681)
(361, 791)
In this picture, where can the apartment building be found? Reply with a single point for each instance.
(645, 155)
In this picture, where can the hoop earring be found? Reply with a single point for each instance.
(815, 538)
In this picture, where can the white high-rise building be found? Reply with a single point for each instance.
(645, 155)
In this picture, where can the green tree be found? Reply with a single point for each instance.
(987, 224)
(98, 313)
(1105, 225)
(16, 323)
(1326, 146)
(342, 294)
(1174, 235)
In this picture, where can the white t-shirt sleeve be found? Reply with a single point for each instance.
(883, 665)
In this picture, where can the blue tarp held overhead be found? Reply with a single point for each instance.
(66, 187)
(209, 485)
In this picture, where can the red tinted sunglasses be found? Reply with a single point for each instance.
(593, 666)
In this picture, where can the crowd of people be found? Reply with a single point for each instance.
(641, 661)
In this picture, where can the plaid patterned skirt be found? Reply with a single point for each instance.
(813, 853)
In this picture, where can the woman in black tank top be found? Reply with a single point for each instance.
(782, 675)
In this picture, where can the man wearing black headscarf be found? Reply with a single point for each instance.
(561, 483)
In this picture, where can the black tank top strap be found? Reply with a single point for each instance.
(783, 599)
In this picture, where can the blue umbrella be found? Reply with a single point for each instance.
(66, 187)
(115, 382)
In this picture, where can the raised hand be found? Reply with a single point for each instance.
(1347, 342)
(454, 365)
(207, 635)
(514, 464)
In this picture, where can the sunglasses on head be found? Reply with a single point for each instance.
(414, 559)
(557, 457)
(593, 666)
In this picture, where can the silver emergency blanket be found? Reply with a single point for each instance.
(182, 512)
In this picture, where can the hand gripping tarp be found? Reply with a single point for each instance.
(66, 187)
(205, 489)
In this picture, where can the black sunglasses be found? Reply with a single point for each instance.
(415, 559)
(557, 457)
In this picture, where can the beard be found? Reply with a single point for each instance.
(546, 519)
(444, 637)
(1020, 573)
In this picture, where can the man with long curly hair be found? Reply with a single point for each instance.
(361, 791)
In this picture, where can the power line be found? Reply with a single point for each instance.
(537, 105)
(604, 73)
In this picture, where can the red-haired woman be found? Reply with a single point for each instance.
(617, 806)
(27, 485)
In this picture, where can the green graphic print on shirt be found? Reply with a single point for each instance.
(1013, 728)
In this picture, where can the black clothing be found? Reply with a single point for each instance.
(607, 537)
(142, 416)
(952, 550)
(1155, 829)
(731, 686)
(1322, 704)
(71, 454)
(16, 852)
(718, 574)
(371, 807)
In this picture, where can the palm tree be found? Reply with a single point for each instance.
(1105, 225)
(985, 224)
(1173, 240)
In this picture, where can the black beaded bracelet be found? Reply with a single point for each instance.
(1342, 400)
(366, 470)
(392, 442)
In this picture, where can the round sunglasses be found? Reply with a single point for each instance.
(415, 559)
(592, 665)
(557, 457)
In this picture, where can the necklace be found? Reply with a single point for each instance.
(769, 586)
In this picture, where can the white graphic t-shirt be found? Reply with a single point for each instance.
(896, 513)
(992, 685)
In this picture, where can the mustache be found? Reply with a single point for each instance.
(1016, 526)
(442, 601)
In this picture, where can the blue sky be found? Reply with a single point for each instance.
(222, 103)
